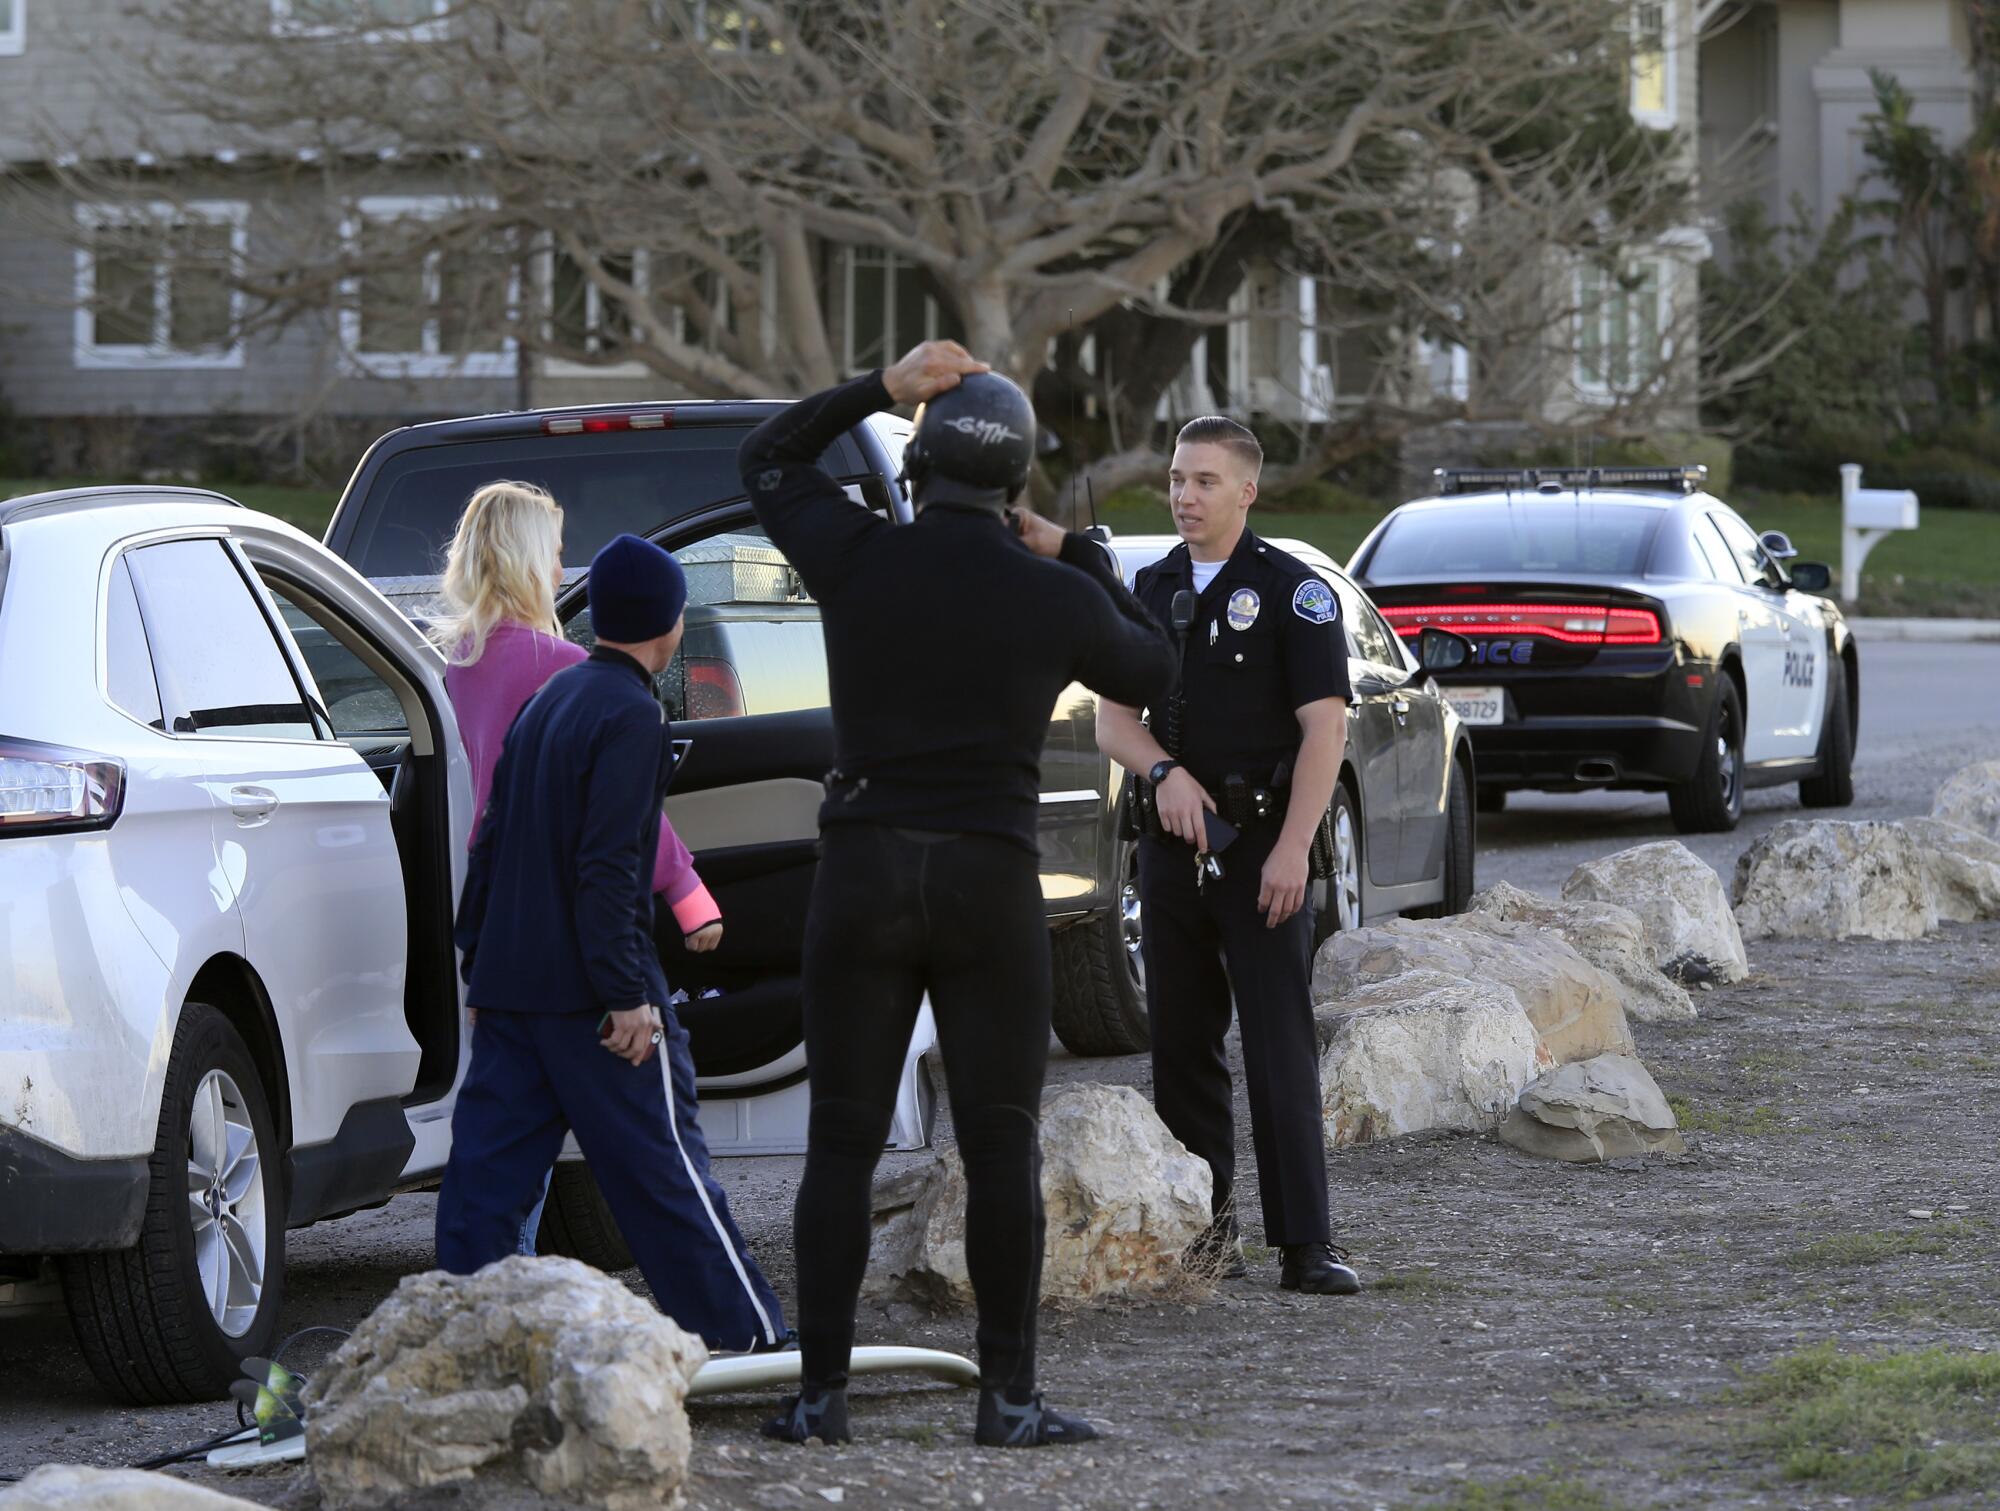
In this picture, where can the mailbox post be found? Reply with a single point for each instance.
(1866, 515)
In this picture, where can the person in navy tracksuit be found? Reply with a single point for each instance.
(556, 926)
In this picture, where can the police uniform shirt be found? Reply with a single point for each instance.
(1266, 641)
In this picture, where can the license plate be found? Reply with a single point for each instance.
(1478, 705)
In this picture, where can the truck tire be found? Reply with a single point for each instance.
(1711, 801)
(577, 1221)
(1100, 977)
(1833, 786)
(174, 1317)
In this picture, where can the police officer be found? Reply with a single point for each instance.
(574, 1029)
(947, 643)
(1262, 724)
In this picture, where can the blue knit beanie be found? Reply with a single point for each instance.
(637, 591)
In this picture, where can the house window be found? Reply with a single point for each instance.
(413, 310)
(13, 27)
(1621, 327)
(155, 285)
(366, 20)
(581, 316)
(1652, 84)
(886, 308)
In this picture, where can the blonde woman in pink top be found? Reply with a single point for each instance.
(501, 642)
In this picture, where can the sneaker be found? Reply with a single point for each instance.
(1317, 1269)
(1003, 1424)
(785, 1343)
(809, 1415)
(1218, 1251)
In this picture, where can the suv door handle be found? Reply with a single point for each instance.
(252, 805)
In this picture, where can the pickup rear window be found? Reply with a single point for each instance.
(1526, 535)
(631, 481)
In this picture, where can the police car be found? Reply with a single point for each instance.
(1631, 632)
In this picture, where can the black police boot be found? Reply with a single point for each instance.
(811, 1414)
(1025, 1424)
(1217, 1251)
(1317, 1269)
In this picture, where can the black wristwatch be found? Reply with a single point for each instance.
(1160, 769)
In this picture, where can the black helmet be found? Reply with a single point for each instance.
(972, 444)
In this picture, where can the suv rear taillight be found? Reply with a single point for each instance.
(713, 691)
(45, 789)
(1573, 624)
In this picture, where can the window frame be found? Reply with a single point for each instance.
(284, 23)
(14, 35)
(116, 568)
(894, 343)
(1667, 115)
(92, 217)
(431, 361)
(593, 317)
(1643, 366)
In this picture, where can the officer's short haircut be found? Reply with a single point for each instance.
(1218, 430)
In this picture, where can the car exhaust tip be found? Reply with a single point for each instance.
(1597, 771)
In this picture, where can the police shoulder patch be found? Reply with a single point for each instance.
(769, 478)
(1314, 602)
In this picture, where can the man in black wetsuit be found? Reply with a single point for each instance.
(948, 642)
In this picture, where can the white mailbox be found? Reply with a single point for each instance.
(1866, 515)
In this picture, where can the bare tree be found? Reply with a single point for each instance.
(662, 181)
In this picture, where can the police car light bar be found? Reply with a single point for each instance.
(1452, 480)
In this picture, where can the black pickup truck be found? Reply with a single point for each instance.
(748, 690)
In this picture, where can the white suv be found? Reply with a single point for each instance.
(233, 811)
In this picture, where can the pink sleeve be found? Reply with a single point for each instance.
(673, 867)
(697, 910)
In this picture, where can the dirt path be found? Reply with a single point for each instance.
(1535, 1335)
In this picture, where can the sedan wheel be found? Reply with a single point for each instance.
(1337, 898)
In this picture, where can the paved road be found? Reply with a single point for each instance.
(1926, 711)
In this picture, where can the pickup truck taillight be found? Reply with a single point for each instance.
(713, 691)
(45, 789)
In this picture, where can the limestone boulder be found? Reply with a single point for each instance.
(1423, 1049)
(1963, 867)
(538, 1370)
(1610, 937)
(1834, 879)
(1677, 895)
(1606, 1108)
(1971, 799)
(1577, 1010)
(74, 1487)
(1124, 1199)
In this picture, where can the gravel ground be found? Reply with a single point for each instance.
(1570, 1335)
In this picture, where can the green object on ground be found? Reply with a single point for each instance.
(1910, 1425)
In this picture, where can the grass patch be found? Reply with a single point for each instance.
(307, 508)
(1907, 1425)
(1756, 1122)
(1419, 1282)
(1878, 1246)
(1528, 1492)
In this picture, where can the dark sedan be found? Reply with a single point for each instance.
(1630, 632)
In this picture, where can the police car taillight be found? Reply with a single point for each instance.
(1573, 624)
(46, 790)
(600, 424)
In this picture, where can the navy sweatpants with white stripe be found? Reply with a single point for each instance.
(536, 1076)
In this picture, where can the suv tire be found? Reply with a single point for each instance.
(1100, 1005)
(1833, 785)
(577, 1221)
(1711, 801)
(143, 1316)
